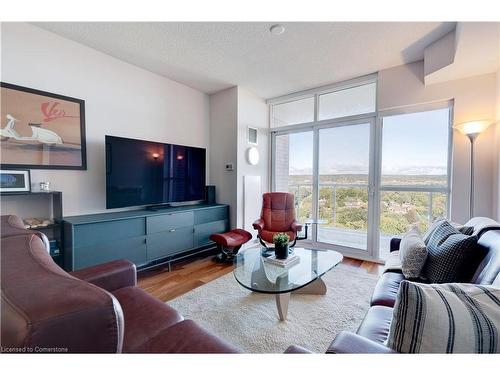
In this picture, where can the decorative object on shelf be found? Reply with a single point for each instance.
(281, 241)
(45, 186)
(253, 156)
(472, 129)
(14, 181)
(41, 130)
(33, 222)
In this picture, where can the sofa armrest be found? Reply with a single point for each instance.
(109, 276)
(258, 224)
(395, 242)
(295, 349)
(296, 226)
(350, 343)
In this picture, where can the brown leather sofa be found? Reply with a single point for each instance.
(94, 310)
(374, 330)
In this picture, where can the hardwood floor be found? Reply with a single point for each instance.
(192, 273)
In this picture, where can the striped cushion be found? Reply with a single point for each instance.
(449, 255)
(446, 318)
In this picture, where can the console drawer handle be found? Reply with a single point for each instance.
(172, 230)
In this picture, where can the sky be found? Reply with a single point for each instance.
(412, 144)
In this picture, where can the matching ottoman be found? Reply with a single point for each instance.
(229, 243)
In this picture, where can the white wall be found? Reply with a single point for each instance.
(254, 112)
(120, 99)
(497, 185)
(231, 112)
(223, 146)
(474, 99)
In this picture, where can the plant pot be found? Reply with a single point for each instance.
(281, 252)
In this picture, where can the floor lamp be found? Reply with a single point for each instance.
(472, 129)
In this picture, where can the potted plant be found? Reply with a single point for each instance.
(281, 241)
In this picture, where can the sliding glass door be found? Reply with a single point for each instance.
(344, 185)
(327, 168)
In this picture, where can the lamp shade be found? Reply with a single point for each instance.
(473, 127)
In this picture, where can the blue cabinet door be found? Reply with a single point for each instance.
(133, 249)
(211, 214)
(164, 244)
(202, 232)
(160, 223)
(108, 231)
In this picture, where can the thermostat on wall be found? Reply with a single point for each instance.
(229, 167)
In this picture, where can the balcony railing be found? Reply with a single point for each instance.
(399, 210)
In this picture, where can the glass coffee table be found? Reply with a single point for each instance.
(258, 275)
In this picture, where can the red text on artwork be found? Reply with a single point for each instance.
(51, 111)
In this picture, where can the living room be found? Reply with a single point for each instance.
(263, 187)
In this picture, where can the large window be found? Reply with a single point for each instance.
(293, 112)
(293, 170)
(361, 180)
(348, 102)
(414, 172)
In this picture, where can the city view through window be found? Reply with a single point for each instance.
(414, 153)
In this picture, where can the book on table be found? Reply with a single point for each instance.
(288, 262)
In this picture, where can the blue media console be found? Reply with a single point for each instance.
(144, 237)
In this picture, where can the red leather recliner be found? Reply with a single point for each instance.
(277, 216)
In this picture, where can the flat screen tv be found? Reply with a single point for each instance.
(141, 173)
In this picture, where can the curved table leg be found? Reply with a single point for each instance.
(317, 287)
(282, 300)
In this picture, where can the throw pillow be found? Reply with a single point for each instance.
(393, 262)
(465, 229)
(413, 253)
(446, 318)
(449, 255)
(432, 228)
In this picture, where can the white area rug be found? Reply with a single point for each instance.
(250, 320)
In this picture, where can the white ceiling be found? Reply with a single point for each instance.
(213, 56)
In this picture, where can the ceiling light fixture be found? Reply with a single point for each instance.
(277, 29)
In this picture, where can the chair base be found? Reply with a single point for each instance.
(226, 256)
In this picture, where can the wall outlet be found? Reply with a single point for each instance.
(229, 167)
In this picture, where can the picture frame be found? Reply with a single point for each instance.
(41, 130)
(15, 181)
